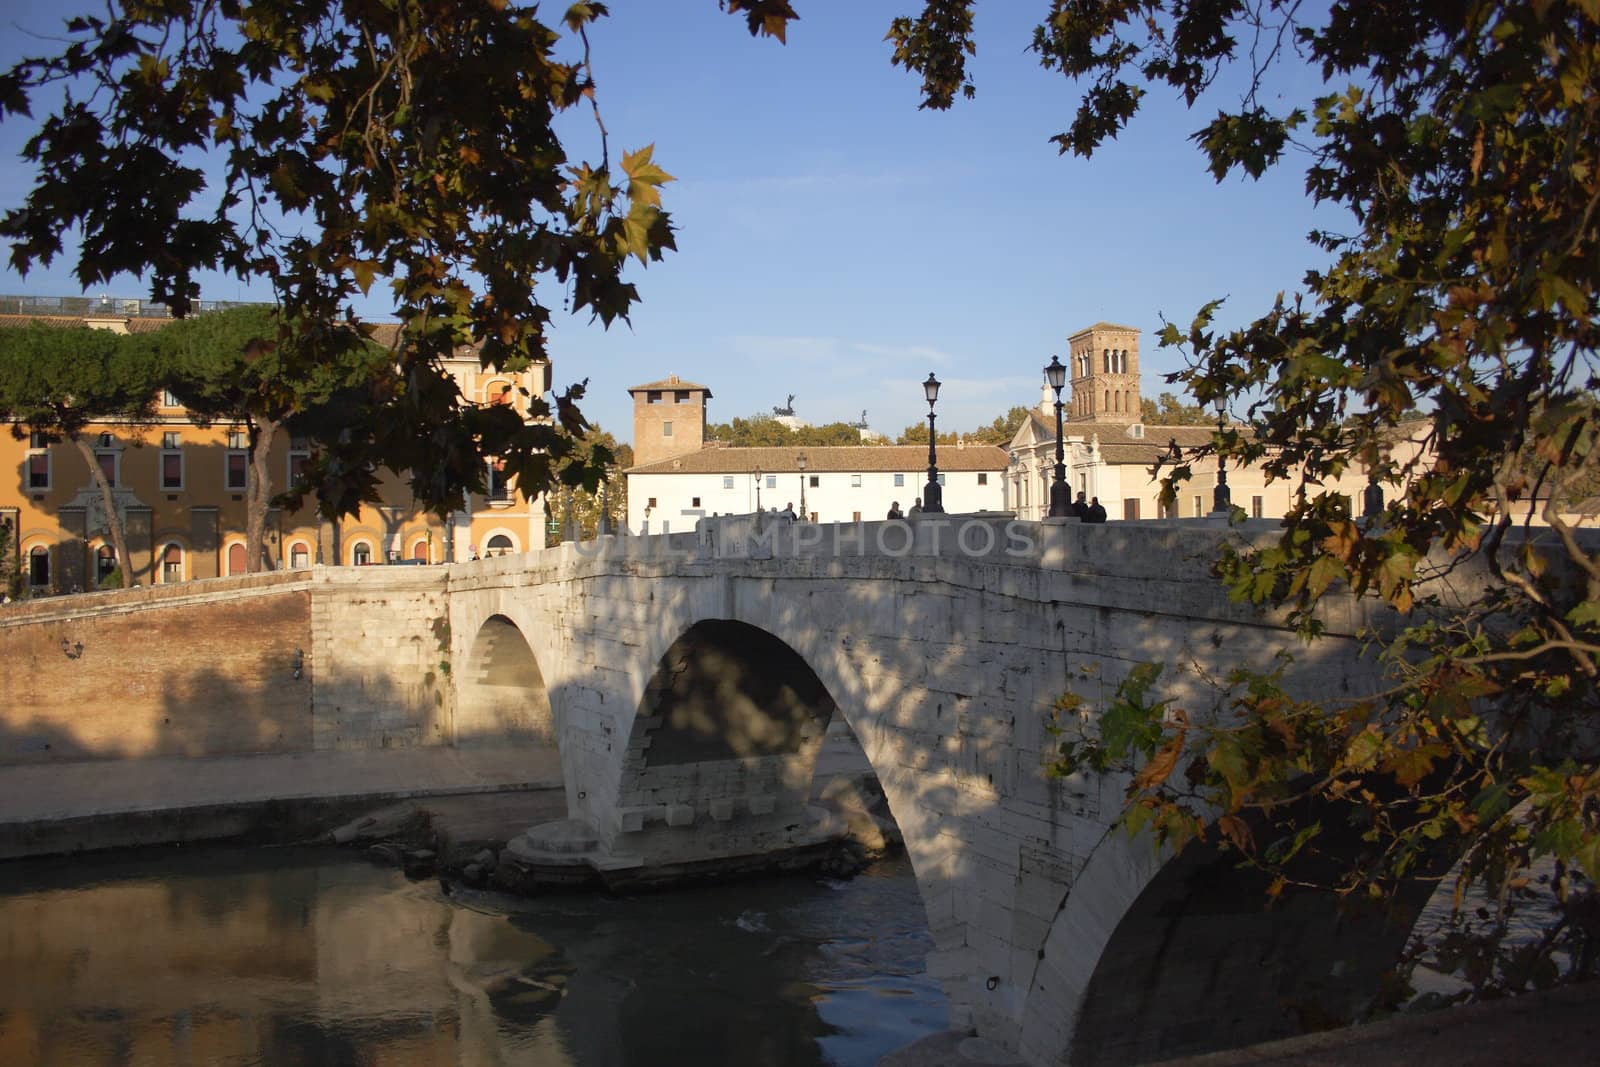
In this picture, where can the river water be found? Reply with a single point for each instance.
(285, 956)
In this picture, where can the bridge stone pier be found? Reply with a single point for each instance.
(687, 680)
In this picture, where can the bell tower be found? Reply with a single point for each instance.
(669, 419)
(1105, 374)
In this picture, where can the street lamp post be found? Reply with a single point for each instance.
(1221, 499)
(1060, 495)
(800, 461)
(932, 495)
(758, 490)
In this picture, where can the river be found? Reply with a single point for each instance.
(234, 956)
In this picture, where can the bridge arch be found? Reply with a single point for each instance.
(1157, 953)
(502, 697)
(726, 689)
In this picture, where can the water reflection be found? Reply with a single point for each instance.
(252, 957)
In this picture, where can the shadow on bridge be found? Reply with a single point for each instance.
(682, 683)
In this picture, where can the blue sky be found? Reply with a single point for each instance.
(838, 244)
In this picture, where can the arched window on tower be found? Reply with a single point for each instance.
(1105, 360)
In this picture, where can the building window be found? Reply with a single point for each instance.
(651, 503)
(237, 461)
(727, 481)
(38, 460)
(500, 544)
(360, 554)
(108, 466)
(238, 471)
(941, 477)
(1256, 507)
(983, 477)
(772, 481)
(299, 556)
(899, 481)
(653, 397)
(168, 400)
(694, 502)
(39, 567)
(171, 461)
(299, 459)
(681, 396)
(855, 481)
(105, 562)
(172, 563)
(815, 481)
(497, 488)
(666, 428)
(1197, 511)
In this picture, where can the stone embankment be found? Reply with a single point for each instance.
(465, 838)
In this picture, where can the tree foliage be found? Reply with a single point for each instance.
(759, 431)
(57, 381)
(1448, 348)
(578, 510)
(249, 366)
(1170, 411)
(326, 147)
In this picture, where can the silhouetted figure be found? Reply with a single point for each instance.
(916, 507)
(895, 512)
(1080, 509)
(788, 509)
(1096, 512)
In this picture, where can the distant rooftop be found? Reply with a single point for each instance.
(79, 307)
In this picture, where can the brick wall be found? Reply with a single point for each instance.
(284, 662)
(169, 671)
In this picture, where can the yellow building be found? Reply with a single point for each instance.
(180, 489)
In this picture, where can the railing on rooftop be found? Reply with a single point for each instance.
(92, 306)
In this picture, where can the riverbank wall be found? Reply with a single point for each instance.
(296, 662)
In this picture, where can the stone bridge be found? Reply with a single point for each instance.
(687, 681)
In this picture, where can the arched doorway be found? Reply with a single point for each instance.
(236, 558)
(172, 563)
(500, 545)
(503, 698)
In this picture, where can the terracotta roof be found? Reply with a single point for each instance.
(831, 459)
(669, 382)
(1117, 432)
(1102, 325)
(44, 320)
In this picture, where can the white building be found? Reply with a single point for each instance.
(1110, 454)
(680, 477)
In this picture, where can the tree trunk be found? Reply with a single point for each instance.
(258, 494)
(119, 542)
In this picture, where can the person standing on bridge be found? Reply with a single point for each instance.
(1097, 513)
(916, 508)
(788, 510)
(894, 510)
